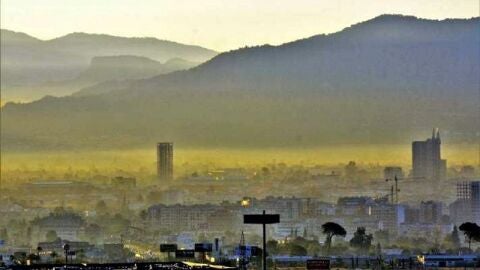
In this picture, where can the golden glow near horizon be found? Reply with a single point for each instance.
(216, 24)
(144, 159)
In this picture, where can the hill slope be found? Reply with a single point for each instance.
(27, 60)
(102, 69)
(375, 82)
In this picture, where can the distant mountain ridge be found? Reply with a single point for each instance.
(120, 70)
(12, 37)
(28, 60)
(105, 68)
(117, 69)
(374, 82)
(107, 45)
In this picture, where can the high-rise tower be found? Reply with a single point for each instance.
(468, 201)
(426, 158)
(165, 160)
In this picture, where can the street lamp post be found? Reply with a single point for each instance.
(66, 248)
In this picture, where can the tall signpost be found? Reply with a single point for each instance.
(262, 219)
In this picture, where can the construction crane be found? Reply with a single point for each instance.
(242, 251)
(394, 189)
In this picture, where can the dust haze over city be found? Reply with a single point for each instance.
(162, 134)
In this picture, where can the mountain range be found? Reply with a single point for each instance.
(378, 81)
(32, 68)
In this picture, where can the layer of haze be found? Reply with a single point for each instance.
(215, 24)
(144, 159)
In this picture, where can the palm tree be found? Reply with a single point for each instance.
(331, 229)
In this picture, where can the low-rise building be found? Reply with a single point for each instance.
(66, 225)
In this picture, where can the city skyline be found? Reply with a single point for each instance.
(239, 135)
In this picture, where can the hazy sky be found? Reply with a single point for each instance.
(216, 24)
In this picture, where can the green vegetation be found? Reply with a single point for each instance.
(471, 231)
(51, 236)
(361, 241)
(331, 229)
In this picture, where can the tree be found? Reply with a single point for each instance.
(54, 255)
(265, 171)
(93, 232)
(471, 232)
(331, 229)
(361, 240)
(59, 210)
(117, 224)
(436, 234)
(29, 232)
(39, 249)
(272, 246)
(4, 234)
(33, 257)
(378, 250)
(382, 237)
(80, 255)
(51, 236)
(143, 215)
(453, 239)
(351, 170)
(297, 250)
(202, 237)
(101, 207)
(19, 258)
(154, 196)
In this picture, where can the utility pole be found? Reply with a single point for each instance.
(392, 193)
(395, 190)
